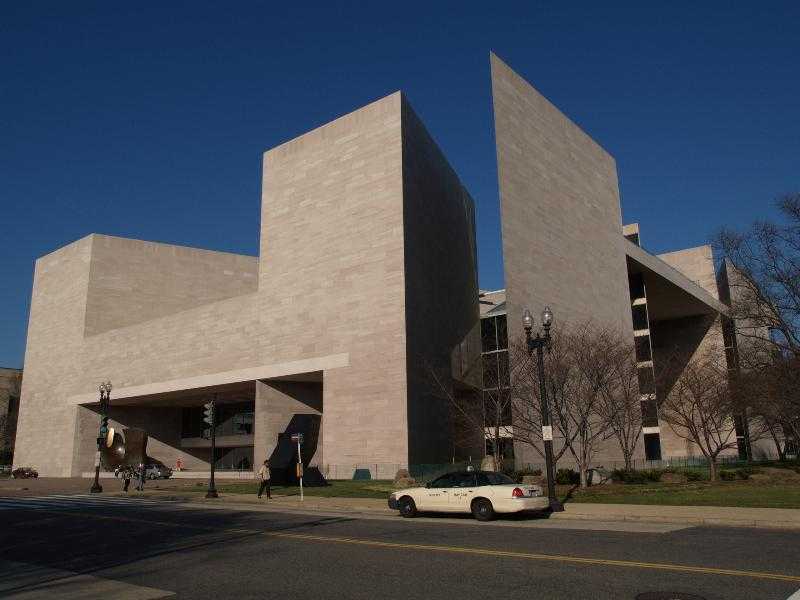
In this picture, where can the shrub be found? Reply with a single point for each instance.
(527, 471)
(642, 476)
(567, 477)
(727, 475)
(745, 472)
(692, 475)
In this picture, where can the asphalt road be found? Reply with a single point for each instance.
(149, 549)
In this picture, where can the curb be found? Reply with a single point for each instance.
(696, 521)
(244, 503)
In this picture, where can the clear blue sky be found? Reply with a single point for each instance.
(148, 120)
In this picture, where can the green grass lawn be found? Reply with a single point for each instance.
(376, 488)
(725, 493)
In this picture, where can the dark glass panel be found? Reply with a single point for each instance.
(636, 285)
(490, 375)
(502, 333)
(646, 381)
(643, 348)
(639, 316)
(652, 446)
(649, 413)
(488, 335)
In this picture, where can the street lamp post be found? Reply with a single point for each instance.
(105, 396)
(540, 343)
(210, 418)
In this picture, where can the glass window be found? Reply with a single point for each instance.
(488, 335)
(503, 377)
(643, 348)
(444, 481)
(646, 381)
(639, 316)
(652, 446)
(502, 333)
(649, 413)
(490, 375)
(636, 285)
(463, 480)
(488, 478)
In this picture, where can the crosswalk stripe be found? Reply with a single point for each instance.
(76, 501)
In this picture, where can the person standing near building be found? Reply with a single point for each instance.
(264, 474)
(126, 478)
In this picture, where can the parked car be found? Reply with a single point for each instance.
(483, 493)
(154, 471)
(24, 473)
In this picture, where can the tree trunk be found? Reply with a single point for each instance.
(712, 468)
(584, 478)
(778, 446)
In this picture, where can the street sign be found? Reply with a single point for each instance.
(297, 438)
(547, 433)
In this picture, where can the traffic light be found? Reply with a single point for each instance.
(208, 413)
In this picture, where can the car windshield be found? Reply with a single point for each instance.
(489, 478)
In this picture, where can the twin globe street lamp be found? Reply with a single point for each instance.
(540, 343)
(102, 436)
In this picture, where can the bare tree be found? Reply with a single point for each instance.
(579, 415)
(577, 375)
(768, 384)
(763, 268)
(621, 404)
(527, 397)
(486, 413)
(700, 407)
(765, 285)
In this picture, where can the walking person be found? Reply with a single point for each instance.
(126, 479)
(264, 474)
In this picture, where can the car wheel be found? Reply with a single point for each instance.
(482, 510)
(407, 507)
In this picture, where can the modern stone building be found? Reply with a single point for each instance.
(564, 245)
(366, 275)
(365, 280)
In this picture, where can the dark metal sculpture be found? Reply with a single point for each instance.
(128, 449)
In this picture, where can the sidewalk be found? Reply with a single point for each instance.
(771, 518)
(775, 518)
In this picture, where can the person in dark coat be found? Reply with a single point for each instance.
(264, 474)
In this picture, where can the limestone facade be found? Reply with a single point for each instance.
(346, 211)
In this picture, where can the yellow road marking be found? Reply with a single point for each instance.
(547, 557)
(456, 549)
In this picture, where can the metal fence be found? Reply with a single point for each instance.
(699, 463)
(427, 472)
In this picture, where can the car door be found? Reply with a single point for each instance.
(437, 494)
(464, 489)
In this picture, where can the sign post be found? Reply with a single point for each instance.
(298, 438)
